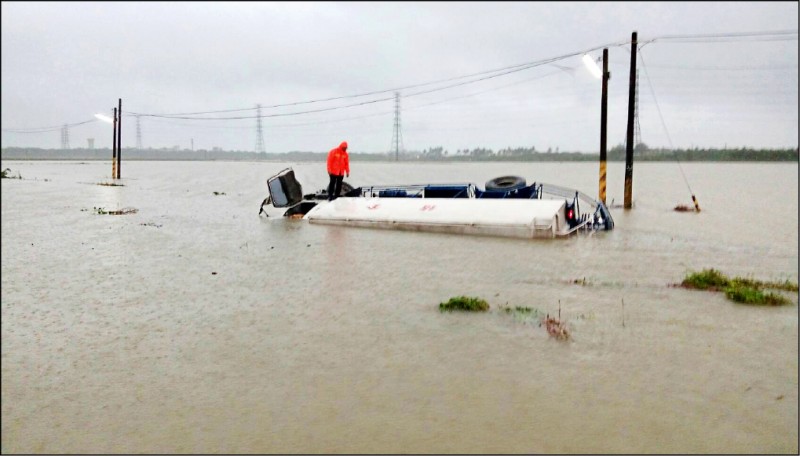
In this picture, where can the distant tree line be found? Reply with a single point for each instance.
(617, 153)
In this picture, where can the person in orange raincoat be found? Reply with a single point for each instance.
(338, 166)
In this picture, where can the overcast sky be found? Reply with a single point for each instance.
(457, 67)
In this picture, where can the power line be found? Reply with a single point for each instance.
(782, 34)
(536, 64)
(777, 35)
(489, 74)
(46, 129)
(499, 72)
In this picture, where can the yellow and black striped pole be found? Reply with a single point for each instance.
(114, 148)
(119, 141)
(696, 204)
(603, 127)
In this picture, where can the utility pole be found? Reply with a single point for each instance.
(119, 141)
(114, 148)
(397, 134)
(604, 126)
(629, 138)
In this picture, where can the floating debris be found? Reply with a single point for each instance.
(6, 174)
(123, 211)
(556, 328)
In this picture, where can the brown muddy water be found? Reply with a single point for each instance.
(196, 326)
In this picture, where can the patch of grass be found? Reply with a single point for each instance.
(749, 295)
(111, 184)
(740, 289)
(464, 303)
(759, 284)
(705, 280)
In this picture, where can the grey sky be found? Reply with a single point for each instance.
(62, 62)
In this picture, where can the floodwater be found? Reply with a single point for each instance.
(196, 326)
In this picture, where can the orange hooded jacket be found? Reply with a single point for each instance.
(338, 160)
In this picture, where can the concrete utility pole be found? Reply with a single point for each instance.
(114, 148)
(119, 141)
(629, 138)
(604, 126)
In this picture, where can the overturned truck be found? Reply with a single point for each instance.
(506, 206)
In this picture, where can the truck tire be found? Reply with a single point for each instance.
(506, 183)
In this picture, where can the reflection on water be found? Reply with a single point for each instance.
(197, 326)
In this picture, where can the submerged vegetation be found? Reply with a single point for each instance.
(555, 327)
(464, 303)
(739, 289)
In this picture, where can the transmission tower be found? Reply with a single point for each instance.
(637, 131)
(259, 131)
(397, 135)
(138, 133)
(65, 137)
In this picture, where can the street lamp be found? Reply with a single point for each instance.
(603, 74)
(104, 118)
(591, 65)
(113, 122)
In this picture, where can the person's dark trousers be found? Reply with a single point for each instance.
(334, 187)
